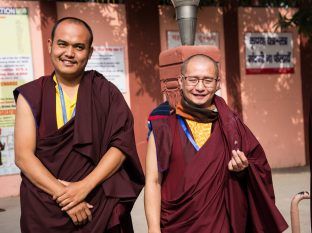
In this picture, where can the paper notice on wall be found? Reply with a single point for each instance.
(269, 53)
(201, 38)
(15, 69)
(7, 163)
(110, 62)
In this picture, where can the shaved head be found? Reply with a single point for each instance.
(200, 58)
(76, 21)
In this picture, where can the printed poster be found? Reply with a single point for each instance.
(15, 70)
(110, 62)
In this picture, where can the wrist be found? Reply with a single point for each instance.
(58, 189)
(295, 202)
(88, 184)
(154, 229)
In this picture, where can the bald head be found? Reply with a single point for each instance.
(200, 59)
(75, 21)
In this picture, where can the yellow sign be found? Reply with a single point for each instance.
(15, 59)
(15, 69)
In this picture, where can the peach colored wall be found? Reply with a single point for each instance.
(12, 182)
(210, 19)
(272, 103)
(108, 23)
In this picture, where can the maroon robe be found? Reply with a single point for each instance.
(198, 192)
(310, 156)
(2, 146)
(102, 120)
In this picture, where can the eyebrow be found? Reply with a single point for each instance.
(79, 44)
(204, 77)
(75, 44)
(59, 40)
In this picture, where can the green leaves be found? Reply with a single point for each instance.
(302, 19)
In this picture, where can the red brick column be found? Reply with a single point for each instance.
(48, 16)
(306, 74)
(143, 49)
(231, 44)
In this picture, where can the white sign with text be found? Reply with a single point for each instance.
(110, 61)
(269, 53)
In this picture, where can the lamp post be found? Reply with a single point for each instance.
(186, 15)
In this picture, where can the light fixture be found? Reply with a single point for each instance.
(186, 15)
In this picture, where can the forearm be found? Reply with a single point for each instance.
(153, 180)
(294, 210)
(76, 192)
(294, 214)
(108, 165)
(152, 203)
(35, 171)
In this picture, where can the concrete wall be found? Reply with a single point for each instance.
(272, 103)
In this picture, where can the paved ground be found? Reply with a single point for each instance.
(287, 182)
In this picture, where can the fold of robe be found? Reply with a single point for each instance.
(199, 194)
(310, 152)
(102, 120)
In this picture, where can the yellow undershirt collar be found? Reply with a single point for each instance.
(200, 131)
(70, 105)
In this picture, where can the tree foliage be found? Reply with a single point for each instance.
(302, 19)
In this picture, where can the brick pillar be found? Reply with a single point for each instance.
(143, 49)
(48, 16)
(232, 59)
(306, 74)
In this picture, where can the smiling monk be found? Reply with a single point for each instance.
(205, 171)
(74, 144)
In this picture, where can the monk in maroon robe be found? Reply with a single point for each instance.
(85, 175)
(221, 186)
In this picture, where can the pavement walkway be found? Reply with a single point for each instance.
(287, 182)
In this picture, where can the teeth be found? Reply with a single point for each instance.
(68, 62)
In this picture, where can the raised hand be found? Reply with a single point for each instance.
(238, 161)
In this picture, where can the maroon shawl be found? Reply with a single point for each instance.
(102, 120)
(199, 194)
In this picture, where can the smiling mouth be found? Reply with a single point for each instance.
(68, 62)
(199, 95)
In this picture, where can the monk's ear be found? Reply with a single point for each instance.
(218, 84)
(50, 45)
(180, 81)
(90, 52)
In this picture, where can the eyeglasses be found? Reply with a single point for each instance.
(193, 80)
